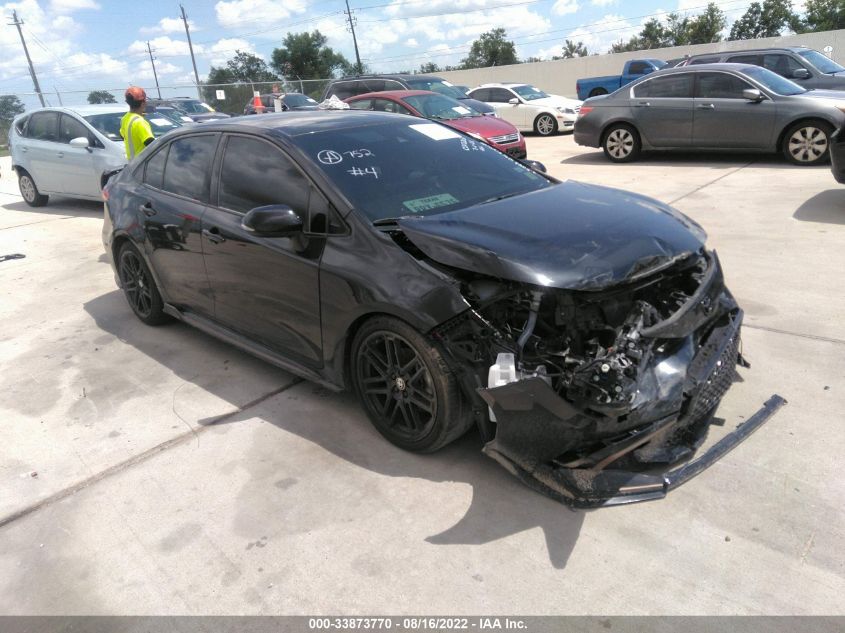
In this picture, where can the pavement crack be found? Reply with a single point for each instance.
(141, 457)
(814, 337)
(707, 184)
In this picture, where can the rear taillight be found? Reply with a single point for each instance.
(585, 110)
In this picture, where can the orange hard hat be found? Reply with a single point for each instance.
(136, 93)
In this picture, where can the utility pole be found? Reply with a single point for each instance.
(58, 95)
(191, 48)
(354, 39)
(152, 61)
(17, 23)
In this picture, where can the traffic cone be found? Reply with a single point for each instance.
(257, 105)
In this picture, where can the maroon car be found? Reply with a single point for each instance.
(438, 107)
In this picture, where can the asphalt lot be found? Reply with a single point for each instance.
(176, 475)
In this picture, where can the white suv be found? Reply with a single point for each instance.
(529, 108)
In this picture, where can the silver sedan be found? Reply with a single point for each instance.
(713, 106)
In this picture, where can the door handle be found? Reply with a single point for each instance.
(643, 104)
(213, 235)
(61, 154)
(24, 149)
(147, 209)
(706, 106)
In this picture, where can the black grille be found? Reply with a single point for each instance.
(719, 381)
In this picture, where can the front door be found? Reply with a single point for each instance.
(662, 110)
(266, 288)
(725, 119)
(79, 176)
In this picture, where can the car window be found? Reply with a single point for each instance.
(70, 128)
(434, 106)
(295, 100)
(754, 60)
(20, 125)
(409, 166)
(482, 94)
(256, 173)
(704, 60)
(361, 104)
(773, 81)
(638, 68)
(436, 85)
(370, 85)
(500, 95)
(343, 90)
(384, 105)
(107, 124)
(154, 168)
(720, 86)
(43, 126)
(529, 93)
(390, 84)
(188, 165)
(822, 62)
(783, 65)
(676, 86)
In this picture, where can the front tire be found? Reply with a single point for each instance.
(807, 143)
(29, 192)
(405, 386)
(139, 287)
(621, 143)
(545, 125)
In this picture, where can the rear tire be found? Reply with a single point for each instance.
(595, 92)
(545, 125)
(621, 143)
(405, 386)
(29, 192)
(139, 287)
(807, 143)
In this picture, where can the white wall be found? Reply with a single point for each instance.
(558, 77)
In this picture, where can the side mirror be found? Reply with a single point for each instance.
(752, 94)
(536, 165)
(800, 73)
(275, 220)
(80, 142)
(513, 101)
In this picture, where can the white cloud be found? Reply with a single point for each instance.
(69, 6)
(564, 7)
(168, 25)
(599, 36)
(144, 72)
(412, 42)
(223, 50)
(603, 3)
(163, 45)
(243, 13)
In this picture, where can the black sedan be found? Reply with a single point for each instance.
(587, 332)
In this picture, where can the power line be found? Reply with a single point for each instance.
(16, 22)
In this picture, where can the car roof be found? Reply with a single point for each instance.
(702, 67)
(395, 94)
(85, 110)
(503, 84)
(399, 76)
(793, 49)
(296, 123)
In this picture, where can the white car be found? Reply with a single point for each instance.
(529, 108)
(64, 151)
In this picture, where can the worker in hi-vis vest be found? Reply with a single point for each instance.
(134, 128)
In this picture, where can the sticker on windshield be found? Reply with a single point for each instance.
(461, 110)
(160, 121)
(431, 202)
(435, 131)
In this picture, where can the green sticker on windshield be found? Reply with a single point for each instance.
(431, 202)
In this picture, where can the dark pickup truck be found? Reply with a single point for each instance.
(633, 69)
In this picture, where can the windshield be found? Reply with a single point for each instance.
(404, 169)
(166, 113)
(440, 107)
(194, 106)
(820, 61)
(109, 124)
(436, 85)
(297, 100)
(772, 81)
(529, 93)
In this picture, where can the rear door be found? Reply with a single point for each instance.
(266, 288)
(40, 151)
(726, 119)
(171, 205)
(662, 109)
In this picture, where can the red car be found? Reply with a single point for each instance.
(438, 107)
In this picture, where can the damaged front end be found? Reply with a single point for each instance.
(593, 394)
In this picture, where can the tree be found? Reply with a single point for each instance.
(767, 20)
(571, 49)
(306, 56)
(244, 70)
(820, 15)
(101, 96)
(707, 26)
(491, 49)
(429, 68)
(10, 107)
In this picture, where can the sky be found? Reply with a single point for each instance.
(82, 45)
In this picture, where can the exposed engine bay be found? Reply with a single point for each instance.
(582, 383)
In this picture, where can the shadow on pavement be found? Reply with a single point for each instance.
(501, 506)
(826, 207)
(61, 206)
(685, 158)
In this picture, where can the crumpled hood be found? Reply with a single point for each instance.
(571, 236)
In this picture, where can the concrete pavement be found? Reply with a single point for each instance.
(175, 474)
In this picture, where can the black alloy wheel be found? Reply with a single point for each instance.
(406, 388)
(139, 287)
